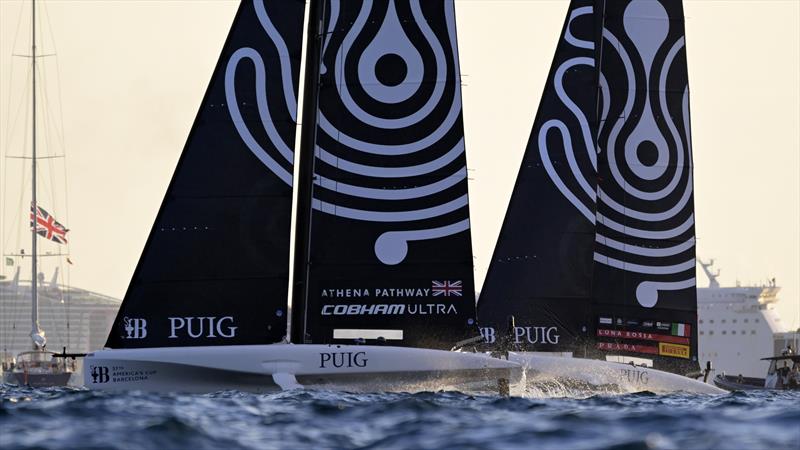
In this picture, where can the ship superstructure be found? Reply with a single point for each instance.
(739, 325)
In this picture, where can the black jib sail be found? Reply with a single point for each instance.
(389, 251)
(214, 270)
(596, 255)
(541, 270)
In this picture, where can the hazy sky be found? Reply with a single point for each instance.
(132, 75)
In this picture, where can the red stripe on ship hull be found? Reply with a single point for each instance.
(641, 336)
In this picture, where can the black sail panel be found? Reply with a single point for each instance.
(214, 270)
(390, 251)
(542, 263)
(644, 278)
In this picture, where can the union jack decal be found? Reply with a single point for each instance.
(446, 288)
(47, 226)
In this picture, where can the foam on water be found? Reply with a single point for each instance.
(76, 418)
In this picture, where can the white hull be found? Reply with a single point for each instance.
(564, 376)
(264, 368)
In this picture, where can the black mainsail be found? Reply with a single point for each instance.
(383, 245)
(215, 268)
(596, 254)
(389, 250)
(644, 279)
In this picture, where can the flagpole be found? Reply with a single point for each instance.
(36, 332)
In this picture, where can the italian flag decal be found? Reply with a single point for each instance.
(681, 329)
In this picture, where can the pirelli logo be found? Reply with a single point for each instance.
(673, 350)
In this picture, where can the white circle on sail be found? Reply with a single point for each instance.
(390, 40)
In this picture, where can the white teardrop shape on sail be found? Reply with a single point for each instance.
(647, 24)
(390, 42)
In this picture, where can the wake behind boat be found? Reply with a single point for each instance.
(383, 253)
(556, 374)
(596, 257)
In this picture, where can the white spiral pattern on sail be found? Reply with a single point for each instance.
(284, 149)
(662, 214)
(339, 168)
(583, 198)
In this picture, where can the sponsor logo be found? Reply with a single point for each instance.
(437, 288)
(488, 334)
(99, 374)
(606, 321)
(632, 323)
(647, 324)
(676, 351)
(376, 292)
(665, 326)
(531, 335)
(201, 327)
(446, 288)
(619, 321)
(634, 376)
(134, 328)
(536, 335)
(632, 348)
(342, 359)
(122, 375)
(641, 335)
(118, 374)
(420, 309)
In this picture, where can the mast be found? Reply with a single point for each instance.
(305, 183)
(36, 332)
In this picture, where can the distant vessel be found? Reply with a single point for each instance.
(76, 319)
(37, 367)
(783, 374)
(738, 325)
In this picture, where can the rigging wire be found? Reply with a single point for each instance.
(61, 133)
(52, 120)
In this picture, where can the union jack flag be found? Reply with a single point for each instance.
(47, 226)
(446, 288)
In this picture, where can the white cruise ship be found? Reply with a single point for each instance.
(73, 318)
(738, 326)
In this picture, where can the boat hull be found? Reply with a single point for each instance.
(267, 368)
(731, 383)
(552, 374)
(38, 380)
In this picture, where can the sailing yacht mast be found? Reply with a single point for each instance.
(308, 141)
(37, 336)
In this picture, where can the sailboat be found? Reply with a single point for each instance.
(592, 280)
(38, 367)
(382, 284)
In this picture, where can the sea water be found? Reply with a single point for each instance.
(62, 418)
